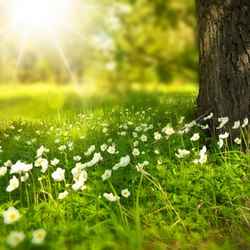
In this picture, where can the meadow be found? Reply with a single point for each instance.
(126, 171)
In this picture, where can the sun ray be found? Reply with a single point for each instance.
(73, 76)
(63, 56)
(22, 48)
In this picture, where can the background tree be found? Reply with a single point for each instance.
(156, 41)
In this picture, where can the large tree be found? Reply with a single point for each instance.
(224, 42)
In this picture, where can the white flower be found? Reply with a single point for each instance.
(140, 166)
(111, 149)
(182, 153)
(13, 184)
(8, 164)
(6, 136)
(125, 193)
(80, 176)
(156, 151)
(3, 171)
(220, 143)
(223, 121)
(17, 138)
(203, 150)
(43, 163)
(210, 116)
(111, 197)
(38, 236)
(157, 136)
(151, 126)
(237, 141)
(124, 162)
(77, 170)
(135, 135)
(62, 148)
(105, 130)
(54, 162)
(236, 125)
(107, 174)
(181, 120)
(245, 123)
(168, 131)
(25, 177)
(144, 138)
(59, 175)
(29, 142)
(11, 215)
(90, 150)
(188, 126)
(70, 146)
(57, 141)
(63, 195)
(41, 151)
(204, 126)
(181, 132)
(138, 129)
(136, 152)
(203, 156)
(123, 133)
(96, 159)
(77, 158)
(103, 147)
(224, 136)
(20, 167)
(195, 137)
(15, 238)
(79, 185)
(159, 162)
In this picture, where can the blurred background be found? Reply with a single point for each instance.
(110, 43)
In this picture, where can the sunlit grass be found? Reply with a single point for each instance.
(47, 101)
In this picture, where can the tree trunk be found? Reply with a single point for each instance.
(224, 42)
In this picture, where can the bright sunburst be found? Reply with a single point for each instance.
(48, 20)
(48, 28)
(39, 16)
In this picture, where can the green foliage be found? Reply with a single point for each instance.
(156, 41)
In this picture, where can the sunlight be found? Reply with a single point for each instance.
(39, 16)
(35, 29)
(41, 20)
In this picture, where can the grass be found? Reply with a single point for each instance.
(174, 203)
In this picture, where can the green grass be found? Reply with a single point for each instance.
(174, 203)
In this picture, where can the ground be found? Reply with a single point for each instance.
(171, 201)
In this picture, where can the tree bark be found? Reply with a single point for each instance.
(224, 52)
